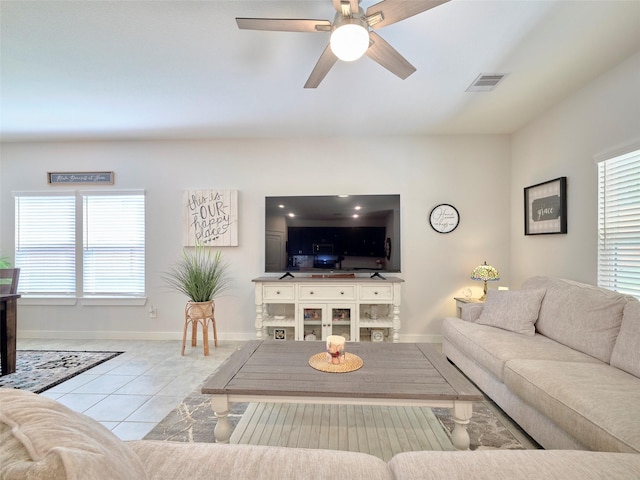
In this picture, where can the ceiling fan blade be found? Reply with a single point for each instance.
(326, 61)
(392, 11)
(284, 24)
(387, 56)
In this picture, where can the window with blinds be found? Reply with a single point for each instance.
(109, 261)
(113, 244)
(46, 244)
(619, 224)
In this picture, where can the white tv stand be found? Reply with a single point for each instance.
(356, 307)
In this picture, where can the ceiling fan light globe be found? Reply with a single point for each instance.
(349, 42)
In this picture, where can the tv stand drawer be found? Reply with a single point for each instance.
(279, 292)
(376, 293)
(327, 292)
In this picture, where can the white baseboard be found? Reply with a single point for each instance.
(420, 338)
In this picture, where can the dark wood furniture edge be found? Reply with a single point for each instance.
(8, 332)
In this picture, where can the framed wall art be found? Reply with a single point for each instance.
(545, 207)
(210, 218)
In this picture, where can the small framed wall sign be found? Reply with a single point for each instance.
(545, 207)
(80, 178)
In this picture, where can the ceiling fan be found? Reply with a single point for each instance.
(352, 33)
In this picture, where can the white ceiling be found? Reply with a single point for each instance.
(182, 69)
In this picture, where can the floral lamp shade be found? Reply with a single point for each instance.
(486, 273)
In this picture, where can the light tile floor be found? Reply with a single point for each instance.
(131, 393)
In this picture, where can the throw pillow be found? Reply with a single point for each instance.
(513, 310)
(45, 439)
(626, 351)
(581, 316)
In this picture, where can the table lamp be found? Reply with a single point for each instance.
(486, 273)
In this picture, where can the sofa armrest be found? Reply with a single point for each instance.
(471, 311)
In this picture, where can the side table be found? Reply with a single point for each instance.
(461, 301)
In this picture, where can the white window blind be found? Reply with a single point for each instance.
(113, 244)
(619, 224)
(46, 244)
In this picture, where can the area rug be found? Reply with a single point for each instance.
(39, 370)
(194, 421)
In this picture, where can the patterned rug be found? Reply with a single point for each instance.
(39, 370)
(194, 421)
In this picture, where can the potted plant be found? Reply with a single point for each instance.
(201, 275)
(7, 276)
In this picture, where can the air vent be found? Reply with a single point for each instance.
(486, 82)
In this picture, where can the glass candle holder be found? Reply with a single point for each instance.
(335, 349)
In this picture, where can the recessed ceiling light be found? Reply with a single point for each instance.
(358, 207)
(292, 215)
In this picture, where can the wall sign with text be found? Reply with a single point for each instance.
(444, 218)
(545, 207)
(80, 178)
(210, 218)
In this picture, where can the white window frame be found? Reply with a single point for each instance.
(619, 220)
(70, 298)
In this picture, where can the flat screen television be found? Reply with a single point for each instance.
(337, 233)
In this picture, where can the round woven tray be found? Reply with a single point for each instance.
(351, 363)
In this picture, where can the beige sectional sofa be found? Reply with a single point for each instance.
(42, 439)
(560, 357)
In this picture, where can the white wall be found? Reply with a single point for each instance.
(599, 117)
(483, 176)
(471, 173)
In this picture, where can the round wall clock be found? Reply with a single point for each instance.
(444, 218)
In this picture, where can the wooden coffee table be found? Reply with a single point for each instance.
(401, 374)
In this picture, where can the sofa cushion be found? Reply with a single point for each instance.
(492, 347)
(596, 403)
(45, 439)
(515, 464)
(626, 351)
(513, 310)
(578, 315)
(195, 461)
